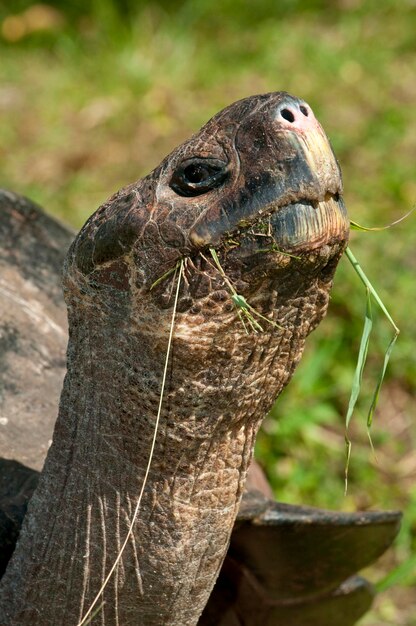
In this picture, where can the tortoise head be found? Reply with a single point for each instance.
(259, 182)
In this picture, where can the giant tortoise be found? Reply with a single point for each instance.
(258, 189)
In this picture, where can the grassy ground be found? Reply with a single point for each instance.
(92, 98)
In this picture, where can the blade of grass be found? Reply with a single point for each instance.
(362, 355)
(347, 461)
(380, 381)
(400, 574)
(239, 301)
(364, 279)
(241, 304)
(221, 269)
(94, 614)
(243, 308)
(357, 379)
(165, 275)
(367, 229)
(274, 248)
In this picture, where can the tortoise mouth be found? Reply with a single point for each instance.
(306, 236)
(308, 224)
(300, 226)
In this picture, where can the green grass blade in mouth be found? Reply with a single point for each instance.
(368, 229)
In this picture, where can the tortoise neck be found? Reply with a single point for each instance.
(80, 514)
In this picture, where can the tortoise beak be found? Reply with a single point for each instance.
(294, 181)
(311, 223)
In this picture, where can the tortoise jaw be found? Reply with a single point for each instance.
(298, 227)
(307, 225)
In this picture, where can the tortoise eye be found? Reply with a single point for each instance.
(197, 173)
(197, 176)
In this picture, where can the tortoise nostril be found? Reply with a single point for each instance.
(288, 115)
(296, 116)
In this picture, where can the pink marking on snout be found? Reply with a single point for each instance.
(296, 116)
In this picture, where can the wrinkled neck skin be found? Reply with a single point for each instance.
(220, 384)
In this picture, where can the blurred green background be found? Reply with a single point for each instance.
(94, 94)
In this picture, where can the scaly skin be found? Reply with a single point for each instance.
(221, 381)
